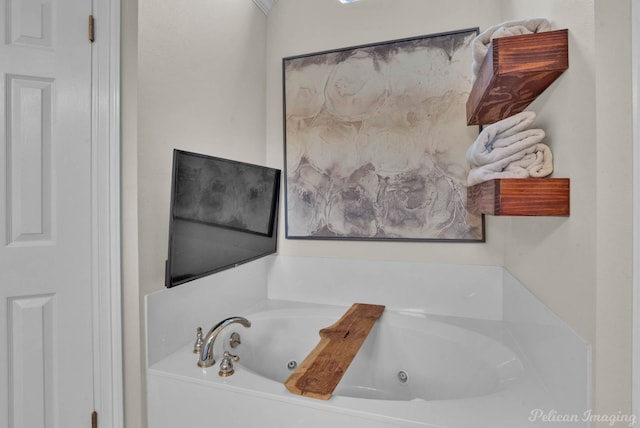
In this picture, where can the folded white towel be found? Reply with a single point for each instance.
(480, 44)
(504, 138)
(537, 164)
(534, 161)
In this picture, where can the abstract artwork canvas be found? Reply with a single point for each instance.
(225, 193)
(375, 141)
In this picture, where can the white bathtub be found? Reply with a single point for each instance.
(405, 357)
(414, 370)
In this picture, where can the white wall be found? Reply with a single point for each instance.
(200, 87)
(614, 312)
(581, 266)
(567, 112)
(132, 355)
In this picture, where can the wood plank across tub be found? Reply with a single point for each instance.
(321, 371)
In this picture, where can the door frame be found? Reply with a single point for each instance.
(635, 67)
(105, 183)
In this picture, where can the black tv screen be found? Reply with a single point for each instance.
(223, 213)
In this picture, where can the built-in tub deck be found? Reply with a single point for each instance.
(461, 373)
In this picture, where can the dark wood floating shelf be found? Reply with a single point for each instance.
(520, 197)
(515, 71)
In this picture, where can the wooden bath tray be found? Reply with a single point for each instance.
(319, 374)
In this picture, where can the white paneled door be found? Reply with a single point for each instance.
(46, 344)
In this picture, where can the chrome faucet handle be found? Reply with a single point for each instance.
(197, 346)
(234, 340)
(206, 359)
(226, 365)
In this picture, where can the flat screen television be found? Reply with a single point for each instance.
(223, 213)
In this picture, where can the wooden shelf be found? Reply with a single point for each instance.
(520, 197)
(515, 71)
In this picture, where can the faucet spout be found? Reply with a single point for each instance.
(205, 357)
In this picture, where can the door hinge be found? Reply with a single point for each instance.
(91, 30)
(94, 419)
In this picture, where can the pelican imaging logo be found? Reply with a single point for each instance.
(553, 416)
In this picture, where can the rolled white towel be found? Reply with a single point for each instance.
(504, 138)
(534, 161)
(480, 44)
(537, 164)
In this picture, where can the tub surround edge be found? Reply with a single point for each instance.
(470, 291)
(173, 314)
(559, 356)
(543, 336)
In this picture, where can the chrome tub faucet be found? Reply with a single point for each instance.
(204, 346)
